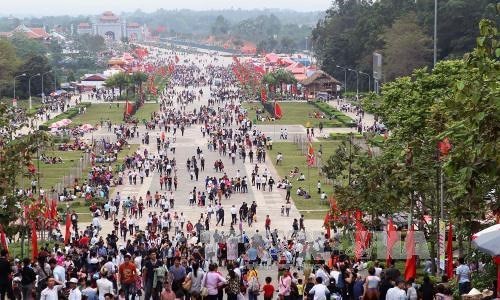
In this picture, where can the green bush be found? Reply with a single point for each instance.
(43, 127)
(342, 136)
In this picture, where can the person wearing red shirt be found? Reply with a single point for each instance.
(268, 224)
(268, 289)
(127, 273)
(84, 241)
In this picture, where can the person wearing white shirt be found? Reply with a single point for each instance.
(321, 273)
(319, 291)
(74, 293)
(397, 292)
(104, 286)
(50, 292)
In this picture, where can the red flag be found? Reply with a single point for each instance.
(31, 168)
(444, 147)
(362, 238)
(177, 59)
(277, 110)
(294, 89)
(411, 262)
(263, 95)
(326, 223)
(391, 240)
(34, 242)
(310, 155)
(449, 253)
(67, 234)
(3, 239)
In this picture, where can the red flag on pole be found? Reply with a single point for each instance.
(326, 223)
(34, 242)
(391, 240)
(449, 253)
(444, 147)
(411, 262)
(3, 239)
(67, 234)
(277, 110)
(362, 238)
(263, 95)
(310, 155)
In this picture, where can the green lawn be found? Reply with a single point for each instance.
(52, 174)
(114, 112)
(294, 113)
(293, 157)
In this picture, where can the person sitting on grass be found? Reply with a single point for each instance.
(302, 177)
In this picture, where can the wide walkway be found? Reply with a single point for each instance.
(267, 202)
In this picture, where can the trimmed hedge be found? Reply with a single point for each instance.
(342, 136)
(332, 112)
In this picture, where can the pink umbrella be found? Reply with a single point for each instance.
(86, 127)
(488, 241)
(66, 122)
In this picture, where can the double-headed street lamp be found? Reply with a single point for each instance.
(22, 75)
(29, 87)
(43, 93)
(345, 77)
(369, 80)
(357, 82)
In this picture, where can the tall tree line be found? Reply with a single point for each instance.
(401, 30)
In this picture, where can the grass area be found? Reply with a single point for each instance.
(36, 102)
(144, 113)
(101, 112)
(52, 174)
(294, 113)
(293, 157)
(114, 112)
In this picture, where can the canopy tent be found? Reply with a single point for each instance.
(488, 241)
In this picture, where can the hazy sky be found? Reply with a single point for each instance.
(77, 7)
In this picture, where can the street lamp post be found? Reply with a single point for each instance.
(43, 92)
(357, 82)
(29, 87)
(369, 80)
(435, 30)
(345, 77)
(22, 75)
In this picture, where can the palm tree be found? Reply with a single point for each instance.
(111, 83)
(121, 80)
(138, 78)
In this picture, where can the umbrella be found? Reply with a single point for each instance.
(488, 240)
(86, 127)
(54, 125)
(66, 121)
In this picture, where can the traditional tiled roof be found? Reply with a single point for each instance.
(84, 25)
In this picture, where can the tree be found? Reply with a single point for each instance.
(220, 26)
(35, 65)
(352, 29)
(287, 45)
(15, 156)
(26, 47)
(406, 47)
(138, 78)
(119, 80)
(90, 44)
(8, 63)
